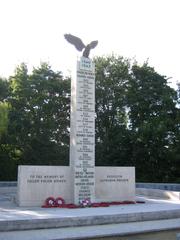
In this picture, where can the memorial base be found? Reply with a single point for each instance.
(37, 183)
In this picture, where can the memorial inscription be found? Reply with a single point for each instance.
(45, 179)
(36, 183)
(82, 156)
(115, 183)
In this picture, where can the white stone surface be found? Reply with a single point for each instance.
(115, 183)
(36, 183)
(158, 193)
(163, 217)
(128, 230)
(82, 136)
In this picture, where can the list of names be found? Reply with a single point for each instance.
(84, 132)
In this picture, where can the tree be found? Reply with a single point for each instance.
(4, 92)
(3, 106)
(112, 134)
(137, 119)
(152, 115)
(8, 163)
(175, 148)
(3, 118)
(40, 115)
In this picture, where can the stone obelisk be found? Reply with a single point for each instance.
(82, 134)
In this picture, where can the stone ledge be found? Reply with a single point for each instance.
(8, 184)
(73, 221)
(87, 232)
(162, 194)
(162, 186)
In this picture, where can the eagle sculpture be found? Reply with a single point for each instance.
(79, 45)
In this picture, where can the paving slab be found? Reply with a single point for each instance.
(88, 232)
(22, 218)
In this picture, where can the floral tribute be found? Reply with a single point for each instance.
(50, 202)
(59, 202)
(85, 203)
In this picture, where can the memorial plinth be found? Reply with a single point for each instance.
(82, 137)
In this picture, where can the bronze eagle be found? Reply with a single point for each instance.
(79, 45)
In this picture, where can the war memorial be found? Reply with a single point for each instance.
(130, 211)
(81, 180)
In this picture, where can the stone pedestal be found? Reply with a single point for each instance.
(82, 137)
(37, 183)
(115, 184)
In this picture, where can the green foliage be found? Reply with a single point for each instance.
(4, 93)
(39, 115)
(4, 107)
(112, 74)
(137, 119)
(8, 160)
(152, 114)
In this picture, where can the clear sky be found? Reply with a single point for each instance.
(32, 31)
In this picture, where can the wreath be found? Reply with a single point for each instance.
(50, 202)
(59, 201)
(85, 202)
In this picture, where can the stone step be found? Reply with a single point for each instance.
(59, 218)
(96, 231)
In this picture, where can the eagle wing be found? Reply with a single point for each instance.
(93, 44)
(77, 42)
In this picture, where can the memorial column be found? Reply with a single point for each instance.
(82, 134)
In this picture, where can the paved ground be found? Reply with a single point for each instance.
(10, 211)
(123, 231)
(45, 224)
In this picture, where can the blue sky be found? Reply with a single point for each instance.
(32, 31)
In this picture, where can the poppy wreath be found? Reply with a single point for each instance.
(59, 202)
(50, 202)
